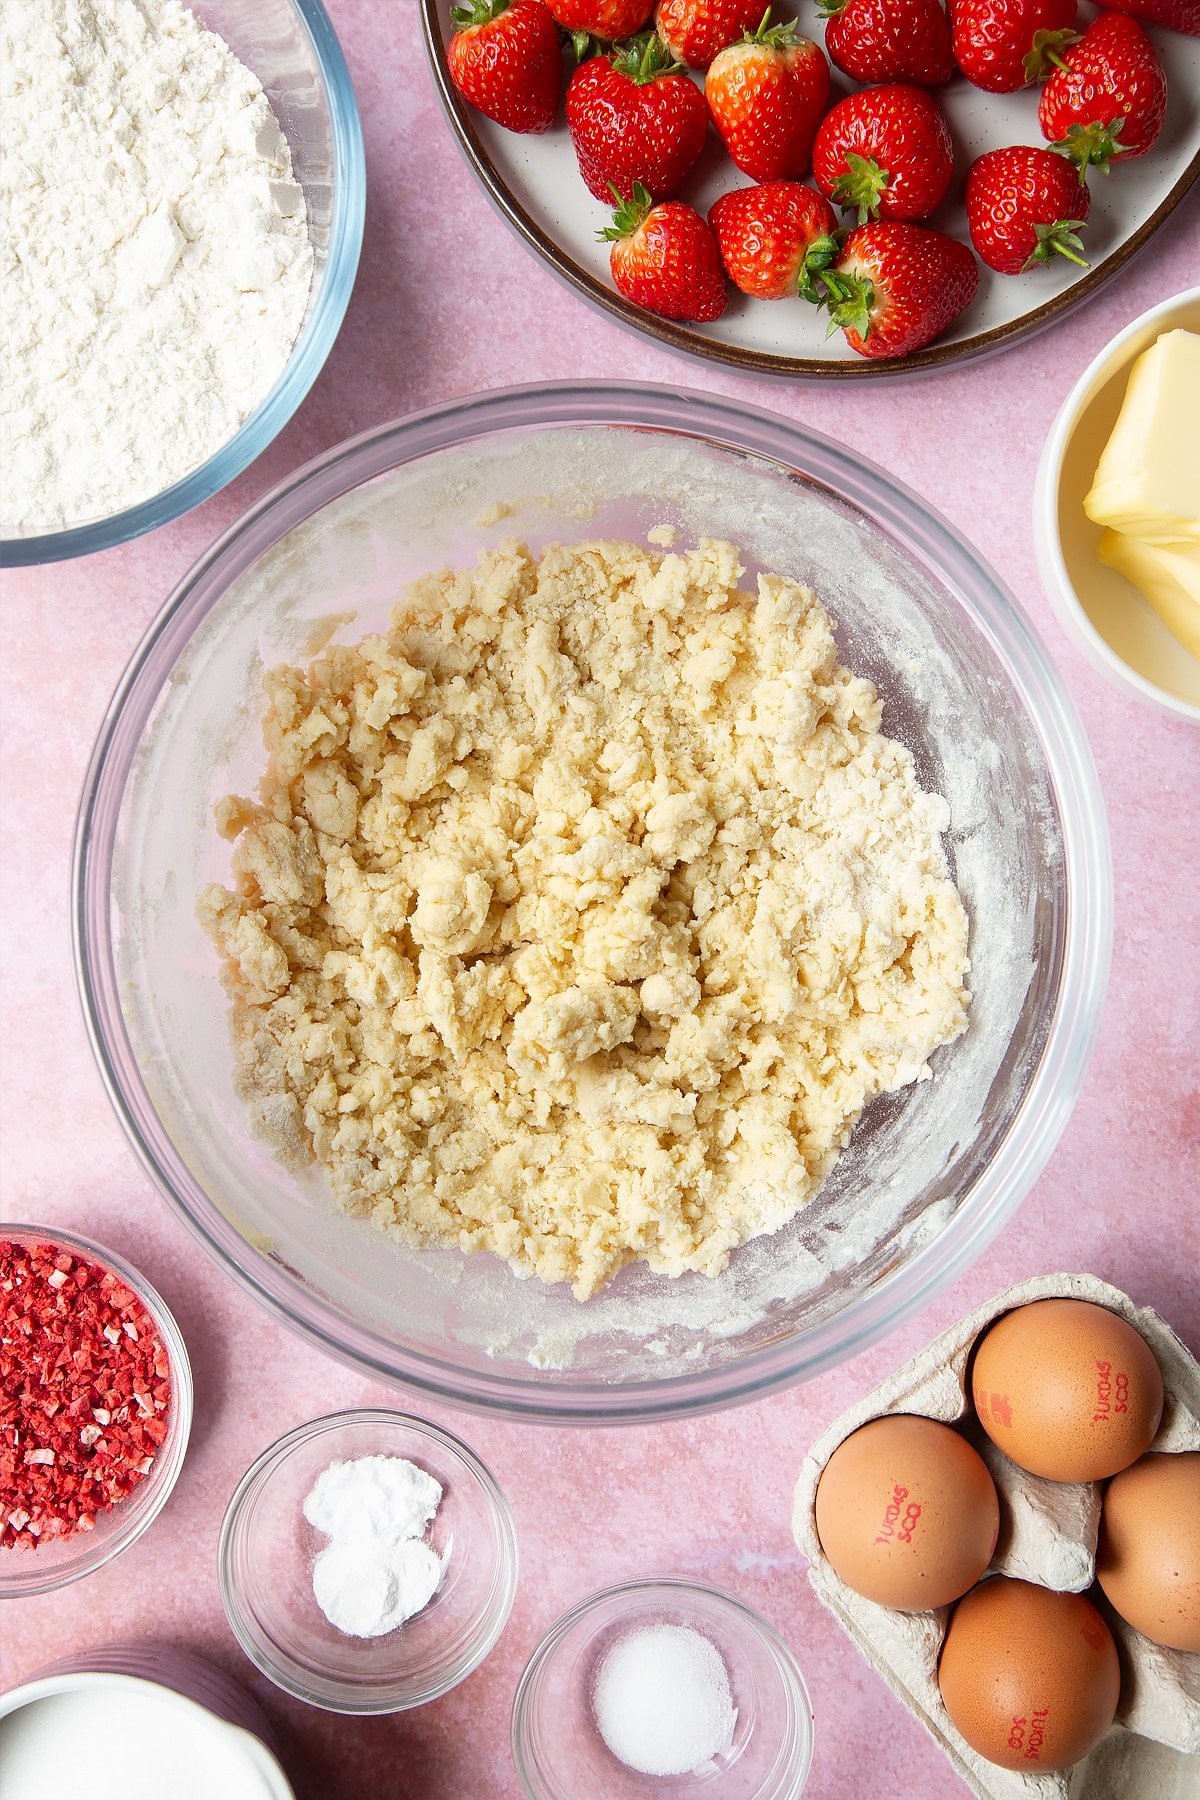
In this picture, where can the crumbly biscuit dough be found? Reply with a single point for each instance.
(582, 913)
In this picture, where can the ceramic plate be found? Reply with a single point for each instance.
(535, 183)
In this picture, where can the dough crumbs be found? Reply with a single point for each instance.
(580, 915)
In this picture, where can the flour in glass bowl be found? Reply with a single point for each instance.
(155, 262)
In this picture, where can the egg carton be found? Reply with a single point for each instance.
(1048, 1533)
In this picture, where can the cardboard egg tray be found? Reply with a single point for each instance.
(1048, 1533)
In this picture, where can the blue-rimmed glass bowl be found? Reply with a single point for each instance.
(292, 48)
(931, 1174)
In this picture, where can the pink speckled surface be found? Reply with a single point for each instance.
(448, 302)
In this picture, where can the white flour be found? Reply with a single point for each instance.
(154, 260)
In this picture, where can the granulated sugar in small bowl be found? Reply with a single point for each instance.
(368, 1562)
(93, 1440)
(662, 1687)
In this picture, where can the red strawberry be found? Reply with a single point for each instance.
(774, 238)
(1000, 44)
(1176, 15)
(505, 59)
(664, 257)
(766, 96)
(635, 116)
(695, 31)
(1024, 207)
(609, 19)
(1106, 98)
(895, 287)
(889, 40)
(885, 152)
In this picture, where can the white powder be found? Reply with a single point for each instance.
(154, 258)
(662, 1701)
(376, 1572)
(384, 1497)
(367, 1589)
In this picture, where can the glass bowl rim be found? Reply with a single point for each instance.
(329, 1693)
(753, 433)
(150, 1496)
(782, 1656)
(299, 372)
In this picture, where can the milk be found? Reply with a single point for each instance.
(112, 1737)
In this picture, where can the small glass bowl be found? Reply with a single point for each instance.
(556, 1743)
(61, 1560)
(266, 1555)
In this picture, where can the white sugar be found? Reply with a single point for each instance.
(662, 1701)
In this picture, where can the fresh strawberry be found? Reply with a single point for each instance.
(1000, 44)
(1107, 95)
(1176, 15)
(885, 152)
(635, 116)
(697, 30)
(896, 287)
(766, 96)
(610, 19)
(664, 257)
(506, 60)
(1024, 207)
(774, 238)
(889, 40)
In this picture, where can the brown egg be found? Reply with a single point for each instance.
(1030, 1677)
(1067, 1389)
(1149, 1558)
(907, 1513)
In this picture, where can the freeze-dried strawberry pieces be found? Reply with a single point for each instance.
(85, 1392)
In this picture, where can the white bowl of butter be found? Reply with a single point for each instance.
(1125, 449)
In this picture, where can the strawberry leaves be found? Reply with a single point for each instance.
(477, 12)
(628, 214)
(861, 186)
(1092, 146)
(645, 59)
(817, 260)
(1059, 239)
(848, 299)
(1046, 53)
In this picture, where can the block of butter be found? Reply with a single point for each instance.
(1147, 483)
(1170, 580)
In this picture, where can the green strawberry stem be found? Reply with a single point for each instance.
(817, 258)
(644, 59)
(775, 37)
(1060, 239)
(1092, 146)
(861, 186)
(478, 12)
(583, 45)
(849, 299)
(629, 214)
(1046, 53)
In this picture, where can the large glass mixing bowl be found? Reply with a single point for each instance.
(293, 49)
(931, 1173)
